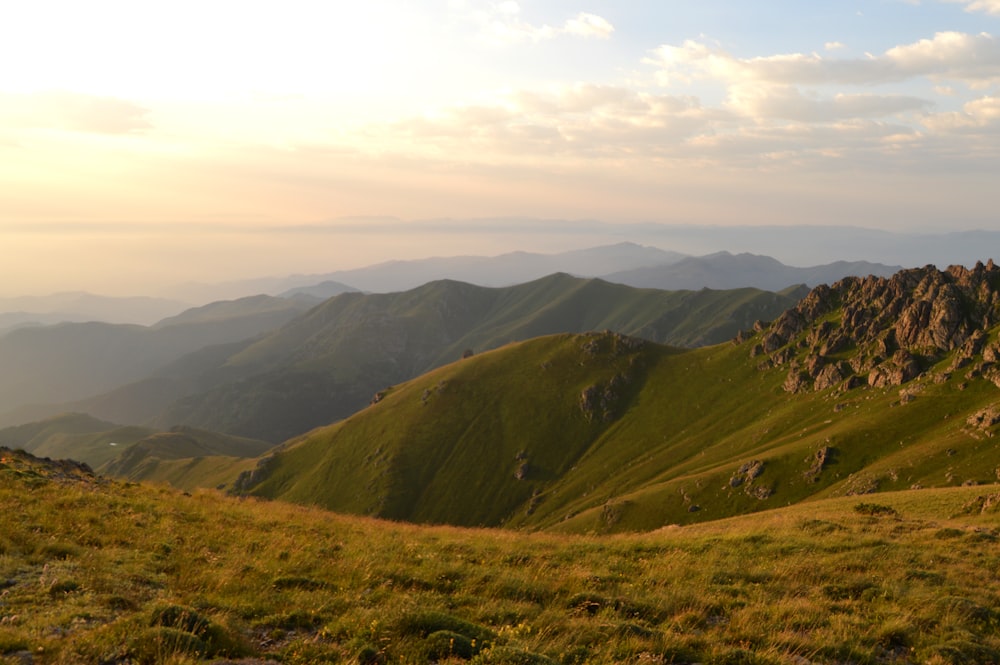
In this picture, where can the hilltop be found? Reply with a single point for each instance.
(871, 384)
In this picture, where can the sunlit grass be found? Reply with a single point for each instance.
(113, 572)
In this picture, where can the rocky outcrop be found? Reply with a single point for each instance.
(817, 463)
(896, 371)
(985, 419)
(599, 401)
(745, 477)
(885, 331)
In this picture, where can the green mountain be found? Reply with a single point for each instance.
(870, 385)
(327, 363)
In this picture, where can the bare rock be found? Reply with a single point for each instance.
(991, 353)
(831, 375)
(921, 312)
(902, 367)
(772, 342)
(817, 463)
(971, 348)
(984, 419)
(746, 474)
(797, 381)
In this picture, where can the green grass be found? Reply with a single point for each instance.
(102, 571)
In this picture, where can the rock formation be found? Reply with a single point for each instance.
(885, 331)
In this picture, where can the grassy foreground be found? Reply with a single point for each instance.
(97, 571)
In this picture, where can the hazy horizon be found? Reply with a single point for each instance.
(144, 144)
(317, 250)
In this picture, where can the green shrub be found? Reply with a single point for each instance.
(157, 644)
(181, 618)
(875, 510)
(216, 640)
(425, 623)
(447, 644)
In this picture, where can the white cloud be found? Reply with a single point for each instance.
(986, 6)
(953, 55)
(569, 122)
(834, 46)
(589, 25)
(948, 55)
(978, 116)
(789, 103)
(501, 22)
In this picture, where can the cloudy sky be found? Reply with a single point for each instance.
(200, 139)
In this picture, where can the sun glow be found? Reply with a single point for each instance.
(185, 50)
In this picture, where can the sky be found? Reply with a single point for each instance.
(144, 142)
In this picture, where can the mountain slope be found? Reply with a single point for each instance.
(602, 432)
(328, 363)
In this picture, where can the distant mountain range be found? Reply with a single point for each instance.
(725, 271)
(505, 269)
(79, 307)
(625, 263)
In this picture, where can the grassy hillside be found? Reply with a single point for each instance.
(598, 433)
(471, 442)
(95, 571)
